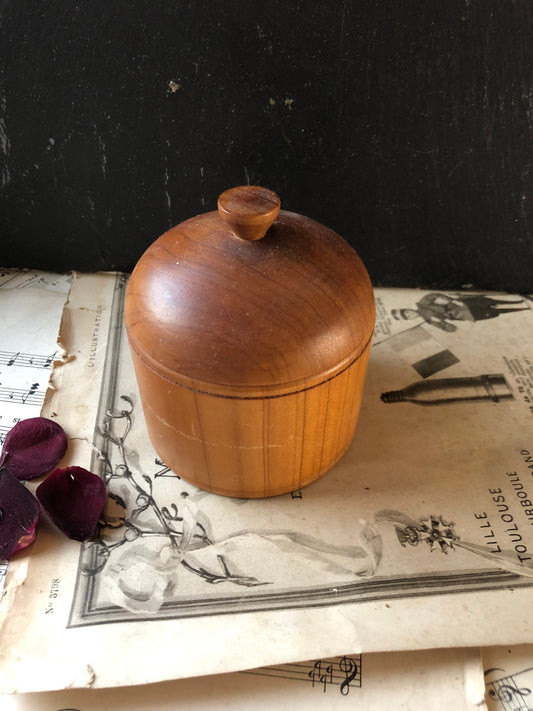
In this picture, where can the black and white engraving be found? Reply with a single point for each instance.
(169, 550)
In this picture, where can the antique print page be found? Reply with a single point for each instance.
(420, 537)
(396, 681)
(31, 304)
(508, 675)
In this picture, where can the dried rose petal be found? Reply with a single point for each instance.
(74, 498)
(33, 447)
(19, 513)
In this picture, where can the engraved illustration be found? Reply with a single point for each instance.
(438, 534)
(144, 546)
(147, 551)
(440, 310)
(168, 550)
(422, 351)
(434, 313)
(489, 387)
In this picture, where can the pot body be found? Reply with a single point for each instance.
(252, 447)
(250, 332)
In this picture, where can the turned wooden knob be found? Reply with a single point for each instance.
(249, 210)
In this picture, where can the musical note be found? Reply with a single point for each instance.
(327, 677)
(30, 396)
(348, 666)
(315, 671)
(26, 360)
(31, 391)
(507, 692)
(12, 360)
(343, 672)
(322, 673)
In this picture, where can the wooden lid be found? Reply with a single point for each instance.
(249, 301)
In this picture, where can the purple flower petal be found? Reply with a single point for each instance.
(19, 513)
(33, 447)
(74, 498)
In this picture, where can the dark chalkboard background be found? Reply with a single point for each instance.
(405, 125)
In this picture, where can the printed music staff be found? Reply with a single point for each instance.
(26, 360)
(29, 396)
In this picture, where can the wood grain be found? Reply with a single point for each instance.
(249, 210)
(254, 447)
(250, 353)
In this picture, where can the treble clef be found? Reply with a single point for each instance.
(506, 692)
(349, 668)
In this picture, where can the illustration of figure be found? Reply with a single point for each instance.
(439, 309)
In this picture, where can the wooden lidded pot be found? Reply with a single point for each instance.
(250, 331)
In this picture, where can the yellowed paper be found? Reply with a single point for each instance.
(509, 677)
(404, 545)
(410, 681)
(31, 304)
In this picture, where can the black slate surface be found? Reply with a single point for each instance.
(405, 125)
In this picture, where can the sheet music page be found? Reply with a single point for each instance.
(509, 677)
(421, 536)
(396, 681)
(31, 304)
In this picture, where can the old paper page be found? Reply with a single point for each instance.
(31, 304)
(396, 681)
(30, 311)
(420, 537)
(509, 677)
